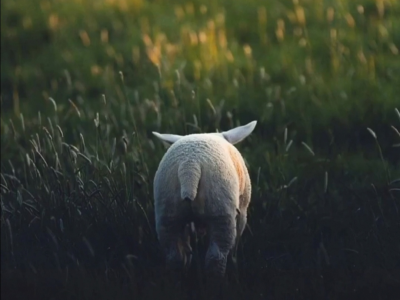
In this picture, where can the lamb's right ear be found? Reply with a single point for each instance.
(168, 138)
(238, 134)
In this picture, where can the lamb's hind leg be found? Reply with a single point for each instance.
(222, 232)
(174, 238)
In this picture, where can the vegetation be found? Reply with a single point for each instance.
(83, 84)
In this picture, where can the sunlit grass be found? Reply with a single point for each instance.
(85, 82)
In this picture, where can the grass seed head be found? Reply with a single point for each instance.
(372, 133)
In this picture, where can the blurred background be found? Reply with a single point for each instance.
(84, 82)
(313, 62)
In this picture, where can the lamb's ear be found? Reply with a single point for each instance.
(168, 138)
(238, 134)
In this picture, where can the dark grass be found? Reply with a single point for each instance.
(76, 176)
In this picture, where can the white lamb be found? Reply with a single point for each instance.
(203, 179)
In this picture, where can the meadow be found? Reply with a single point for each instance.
(85, 82)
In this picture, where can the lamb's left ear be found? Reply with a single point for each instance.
(238, 134)
(168, 138)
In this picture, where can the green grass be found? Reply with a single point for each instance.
(83, 84)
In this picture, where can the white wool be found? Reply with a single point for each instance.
(205, 172)
(204, 168)
(198, 167)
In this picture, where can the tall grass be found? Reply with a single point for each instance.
(85, 82)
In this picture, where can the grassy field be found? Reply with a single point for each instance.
(83, 84)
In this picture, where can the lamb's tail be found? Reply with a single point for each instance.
(189, 173)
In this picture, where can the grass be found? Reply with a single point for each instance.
(85, 82)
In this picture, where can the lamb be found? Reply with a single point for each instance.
(202, 178)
